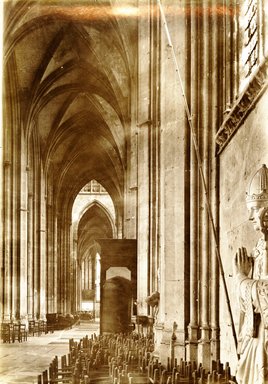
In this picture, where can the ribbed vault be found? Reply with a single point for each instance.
(73, 68)
(94, 224)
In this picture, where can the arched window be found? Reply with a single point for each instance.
(94, 187)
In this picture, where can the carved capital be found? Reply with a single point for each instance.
(245, 103)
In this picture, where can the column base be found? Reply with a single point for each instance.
(168, 348)
(6, 318)
(204, 354)
(192, 343)
(215, 343)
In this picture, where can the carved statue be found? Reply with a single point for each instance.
(153, 301)
(252, 278)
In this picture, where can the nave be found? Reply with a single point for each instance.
(105, 198)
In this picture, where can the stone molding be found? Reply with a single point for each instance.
(241, 108)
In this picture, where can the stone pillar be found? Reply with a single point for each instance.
(79, 287)
(72, 283)
(203, 78)
(89, 276)
(214, 280)
(7, 240)
(172, 194)
(30, 262)
(2, 256)
(43, 250)
(23, 262)
(75, 276)
(130, 225)
(144, 123)
(192, 57)
(204, 120)
(68, 275)
(214, 189)
(154, 149)
(63, 281)
(82, 274)
(59, 250)
(36, 246)
(55, 260)
(93, 264)
(51, 266)
(15, 217)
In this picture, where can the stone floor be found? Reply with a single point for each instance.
(22, 362)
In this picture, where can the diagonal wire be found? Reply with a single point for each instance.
(199, 161)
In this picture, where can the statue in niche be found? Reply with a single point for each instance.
(153, 301)
(251, 274)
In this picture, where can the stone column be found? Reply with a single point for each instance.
(64, 266)
(83, 274)
(59, 250)
(67, 269)
(131, 193)
(93, 263)
(43, 249)
(36, 246)
(30, 262)
(15, 217)
(30, 240)
(72, 272)
(75, 276)
(89, 271)
(55, 260)
(7, 240)
(172, 217)
(204, 122)
(192, 57)
(214, 189)
(2, 260)
(143, 157)
(50, 254)
(154, 148)
(23, 262)
(79, 288)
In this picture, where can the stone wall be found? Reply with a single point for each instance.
(241, 158)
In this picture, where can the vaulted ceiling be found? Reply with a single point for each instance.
(73, 64)
(93, 225)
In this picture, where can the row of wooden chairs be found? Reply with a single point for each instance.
(10, 332)
(37, 327)
(143, 367)
(127, 359)
(188, 372)
(91, 356)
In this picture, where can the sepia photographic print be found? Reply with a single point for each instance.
(134, 192)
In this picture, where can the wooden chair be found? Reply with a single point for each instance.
(42, 326)
(16, 333)
(6, 332)
(19, 332)
(34, 328)
(23, 332)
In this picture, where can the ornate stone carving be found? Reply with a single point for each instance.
(153, 301)
(243, 106)
(258, 187)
